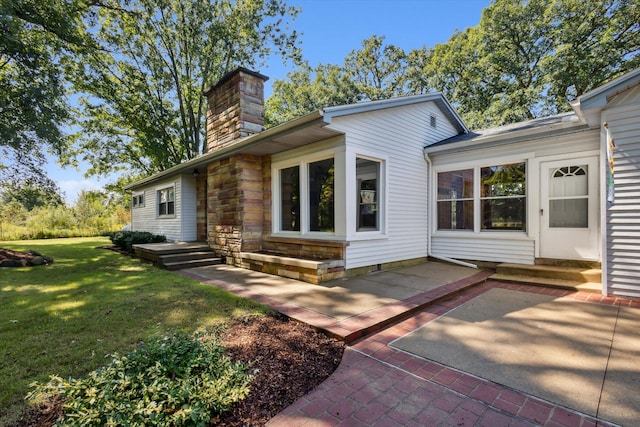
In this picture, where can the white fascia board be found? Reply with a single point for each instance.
(363, 107)
(508, 137)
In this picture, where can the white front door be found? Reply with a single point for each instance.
(569, 219)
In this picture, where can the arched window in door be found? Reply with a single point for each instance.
(569, 197)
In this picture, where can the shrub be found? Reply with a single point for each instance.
(126, 239)
(171, 380)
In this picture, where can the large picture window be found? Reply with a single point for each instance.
(321, 189)
(498, 199)
(455, 200)
(166, 201)
(306, 193)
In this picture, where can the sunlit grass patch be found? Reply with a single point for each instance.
(62, 319)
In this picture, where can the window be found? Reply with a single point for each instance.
(138, 200)
(166, 202)
(498, 200)
(290, 198)
(569, 197)
(455, 200)
(310, 183)
(321, 188)
(503, 198)
(368, 195)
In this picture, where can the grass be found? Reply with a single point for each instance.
(66, 318)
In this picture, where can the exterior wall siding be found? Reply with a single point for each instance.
(623, 218)
(520, 248)
(492, 249)
(146, 219)
(188, 206)
(397, 135)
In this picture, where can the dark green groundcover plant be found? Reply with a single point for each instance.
(172, 380)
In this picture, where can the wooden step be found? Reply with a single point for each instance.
(577, 274)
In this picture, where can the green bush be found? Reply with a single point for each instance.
(172, 380)
(126, 239)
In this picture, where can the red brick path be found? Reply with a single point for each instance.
(377, 385)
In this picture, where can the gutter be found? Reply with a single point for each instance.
(429, 253)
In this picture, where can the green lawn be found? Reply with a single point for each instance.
(66, 318)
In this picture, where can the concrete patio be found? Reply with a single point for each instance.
(439, 344)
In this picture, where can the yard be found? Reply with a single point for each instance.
(68, 317)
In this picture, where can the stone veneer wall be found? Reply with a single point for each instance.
(235, 206)
(235, 108)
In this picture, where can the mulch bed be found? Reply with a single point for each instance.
(287, 359)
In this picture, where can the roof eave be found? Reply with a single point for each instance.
(236, 148)
(507, 138)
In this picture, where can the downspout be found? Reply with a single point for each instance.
(429, 209)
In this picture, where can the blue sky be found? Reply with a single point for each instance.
(330, 29)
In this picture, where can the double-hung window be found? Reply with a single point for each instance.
(138, 200)
(306, 193)
(483, 198)
(503, 197)
(166, 201)
(456, 200)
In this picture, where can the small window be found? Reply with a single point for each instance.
(166, 202)
(138, 201)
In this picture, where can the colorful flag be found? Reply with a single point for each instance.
(611, 146)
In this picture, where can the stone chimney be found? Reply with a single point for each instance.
(235, 108)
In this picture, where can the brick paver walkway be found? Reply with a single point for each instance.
(377, 385)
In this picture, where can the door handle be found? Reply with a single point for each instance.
(541, 212)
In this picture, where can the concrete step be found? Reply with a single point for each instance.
(555, 272)
(185, 256)
(578, 285)
(203, 262)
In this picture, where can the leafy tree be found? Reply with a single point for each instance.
(37, 38)
(31, 193)
(527, 59)
(308, 89)
(377, 71)
(144, 110)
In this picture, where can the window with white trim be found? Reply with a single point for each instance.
(494, 194)
(166, 201)
(306, 197)
(368, 194)
(137, 200)
(455, 200)
(503, 202)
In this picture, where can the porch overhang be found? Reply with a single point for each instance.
(305, 130)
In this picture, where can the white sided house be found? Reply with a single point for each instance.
(357, 188)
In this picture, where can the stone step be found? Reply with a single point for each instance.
(578, 285)
(555, 272)
(185, 256)
(180, 265)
